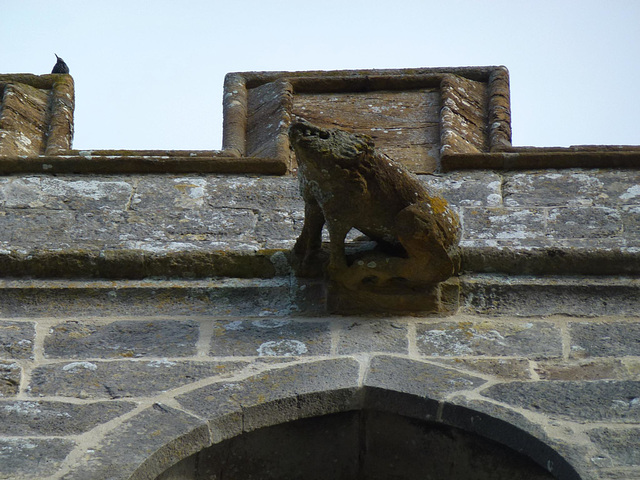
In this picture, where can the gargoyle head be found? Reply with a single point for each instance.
(320, 146)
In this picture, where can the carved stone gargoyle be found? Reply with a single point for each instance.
(347, 184)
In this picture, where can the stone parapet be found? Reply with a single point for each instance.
(551, 222)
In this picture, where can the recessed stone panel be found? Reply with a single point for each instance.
(406, 125)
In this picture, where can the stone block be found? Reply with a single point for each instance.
(489, 337)
(418, 378)
(95, 193)
(270, 337)
(594, 369)
(571, 187)
(46, 418)
(273, 396)
(615, 401)
(17, 339)
(123, 379)
(504, 368)
(371, 335)
(621, 446)
(122, 339)
(604, 339)
(10, 375)
(143, 446)
(555, 188)
(32, 458)
(631, 221)
(503, 223)
(467, 189)
(219, 297)
(584, 222)
(550, 295)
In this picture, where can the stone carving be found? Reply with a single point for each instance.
(346, 183)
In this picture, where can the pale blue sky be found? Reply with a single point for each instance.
(149, 74)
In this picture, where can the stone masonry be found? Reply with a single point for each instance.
(145, 317)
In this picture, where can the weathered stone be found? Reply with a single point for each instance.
(275, 396)
(93, 194)
(347, 184)
(24, 119)
(584, 222)
(126, 338)
(551, 256)
(372, 336)
(16, 339)
(619, 474)
(123, 379)
(604, 400)
(418, 378)
(220, 297)
(598, 369)
(504, 368)
(45, 418)
(10, 374)
(490, 337)
(32, 458)
(622, 446)
(503, 223)
(570, 187)
(599, 339)
(631, 221)
(406, 126)
(270, 338)
(143, 446)
(463, 117)
(467, 189)
(557, 188)
(552, 295)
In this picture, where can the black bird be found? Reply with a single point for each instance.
(60, 66)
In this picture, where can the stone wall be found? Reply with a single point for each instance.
(151, 325)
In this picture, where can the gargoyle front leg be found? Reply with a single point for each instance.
(309, 243)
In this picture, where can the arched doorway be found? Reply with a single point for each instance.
(361, 444)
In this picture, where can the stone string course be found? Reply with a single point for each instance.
(97, 398)
(132, 226)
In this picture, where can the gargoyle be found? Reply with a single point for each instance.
(346, 183)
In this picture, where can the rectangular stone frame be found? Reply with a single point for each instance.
(237, 134)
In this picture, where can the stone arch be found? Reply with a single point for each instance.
(385, 385)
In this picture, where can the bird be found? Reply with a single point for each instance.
(60, 66)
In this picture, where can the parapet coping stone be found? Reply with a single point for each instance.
(502, 155)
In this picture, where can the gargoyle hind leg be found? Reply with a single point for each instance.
(428, 259)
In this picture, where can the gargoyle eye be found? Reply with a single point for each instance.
(324, 134)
